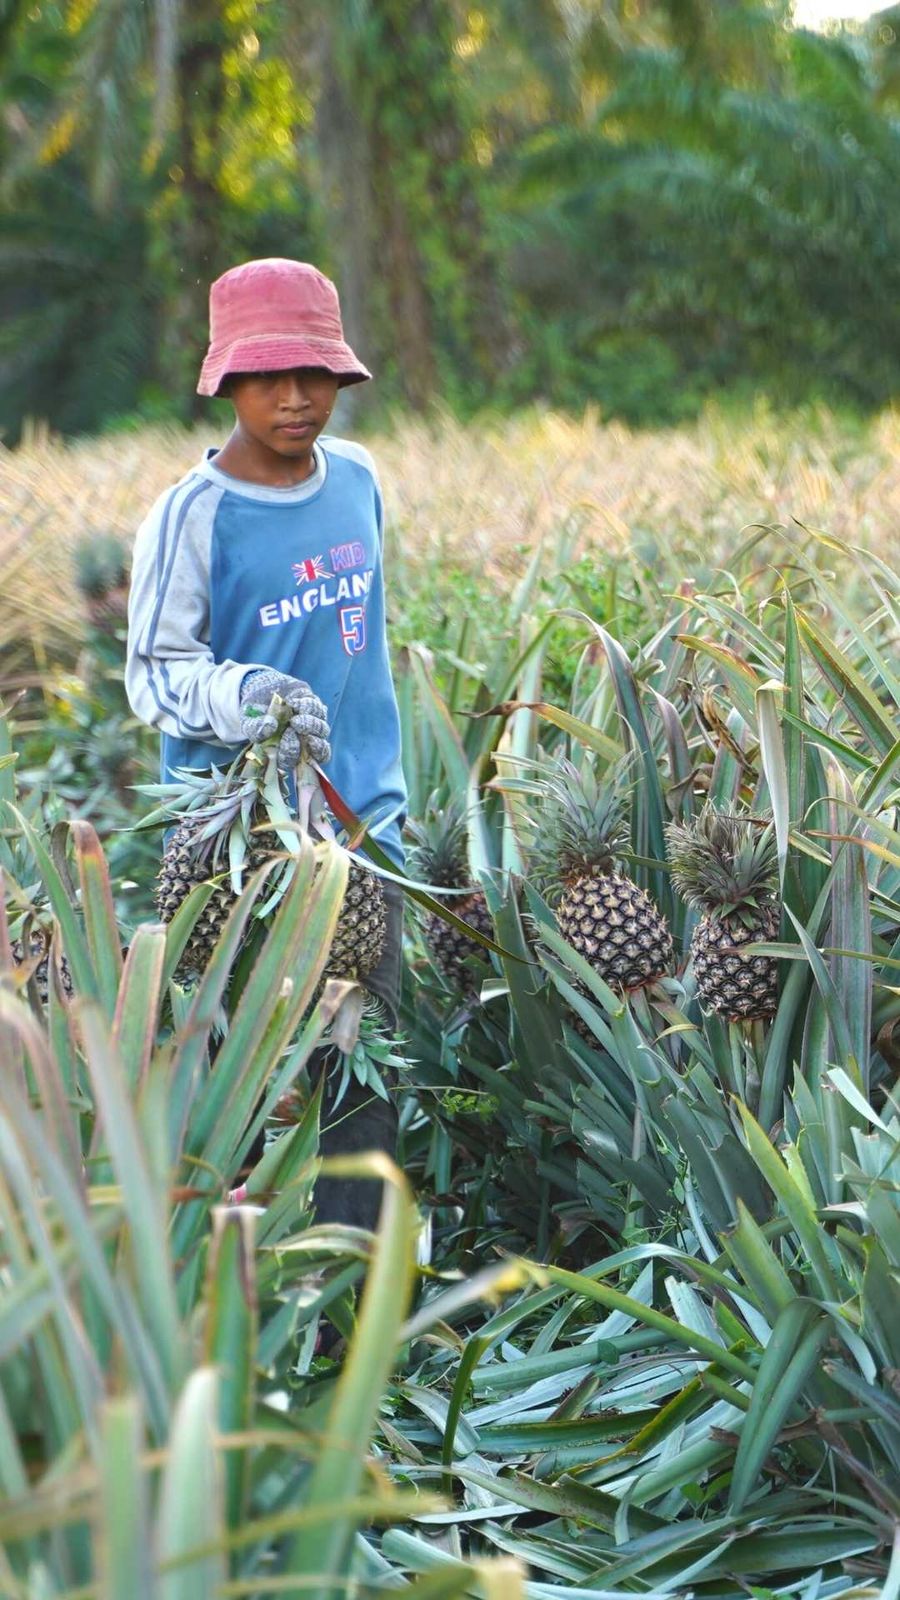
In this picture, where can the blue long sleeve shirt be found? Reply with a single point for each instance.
(231, 576)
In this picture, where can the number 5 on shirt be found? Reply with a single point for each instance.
(353, 628)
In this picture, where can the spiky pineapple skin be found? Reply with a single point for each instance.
(615, 926)
(453, 950)
(359, 935)
(39, 946)
(738, 987)
(179, 873)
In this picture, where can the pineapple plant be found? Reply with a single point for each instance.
(439, 857)
(222, 833)
(26, 909)
(603, 914)
(726, 866)
(101, 574)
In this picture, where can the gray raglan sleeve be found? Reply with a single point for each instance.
(171, 679)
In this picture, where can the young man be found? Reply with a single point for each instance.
(261, 571)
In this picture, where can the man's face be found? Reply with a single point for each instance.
(283, 411)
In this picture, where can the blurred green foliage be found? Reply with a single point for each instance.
(641, 203)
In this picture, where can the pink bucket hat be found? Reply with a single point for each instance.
(270, 315)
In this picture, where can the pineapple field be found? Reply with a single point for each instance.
(630, 1321)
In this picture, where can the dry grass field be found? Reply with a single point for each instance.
(470, 496)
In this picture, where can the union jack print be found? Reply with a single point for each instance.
(309, 570)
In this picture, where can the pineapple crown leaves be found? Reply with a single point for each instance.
(212, 809)
(200, 791)
(582, 825)
(725, 864)
(218, 797)
(375, 1040)
(220, 812)
(374, 1060)
(195, 793)
(439, 844)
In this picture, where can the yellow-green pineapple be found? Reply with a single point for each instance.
(604, 914)
(727, 867)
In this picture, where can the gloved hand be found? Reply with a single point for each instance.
(308, 727)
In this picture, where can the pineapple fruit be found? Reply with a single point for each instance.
(439, 858)
(36, 958)
(727, 867)
(229, 808)
(603, 914)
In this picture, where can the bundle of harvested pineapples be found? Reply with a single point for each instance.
(229, 824)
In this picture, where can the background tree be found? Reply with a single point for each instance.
(403, 208)
(638, 204)
(717, 215)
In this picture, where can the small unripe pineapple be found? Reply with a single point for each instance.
(439, 858)
(727, 867)
(602, 913)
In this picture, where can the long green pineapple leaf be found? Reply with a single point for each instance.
(191, 1504)
(792, 1353)
(851, 927)
(70, 1376)
(449, 743)
(137, 1011)
(324, 1553)
(774, 765)
(279, 990)
(144, 1203)
(83, 1245)
(123, 1538)
(850, 686)
(99, 913)
(230, 1342)
(817, 1247)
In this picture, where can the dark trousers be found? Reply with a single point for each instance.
(362, 1121)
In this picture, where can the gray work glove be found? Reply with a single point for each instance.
(307, 731)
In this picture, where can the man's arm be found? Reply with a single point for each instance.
(171, 678)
